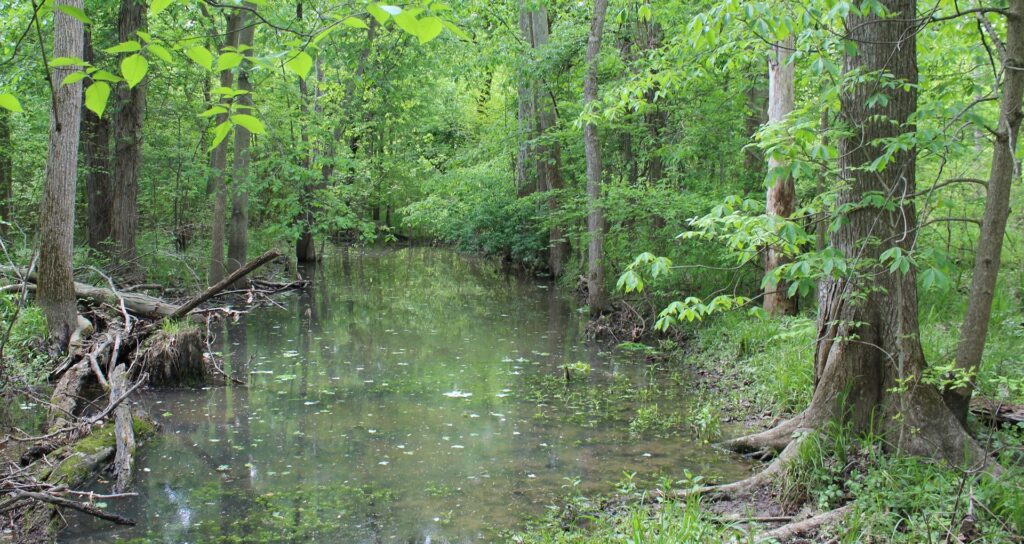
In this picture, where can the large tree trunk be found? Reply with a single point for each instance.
(238, 244)
(218, 166)
(128, 120)
(98, 189)
(869, 359)
(597, 296)
(782, 194)
(997, 209)
(57, 213)
(6, 175)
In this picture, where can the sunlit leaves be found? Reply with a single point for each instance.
(160, 51)
(250, 123)
(10, 102)
(201, 56)
(134, 69)
(354, 23)
(229, 60)
(300, 64)
(220, 132)
(130, 46)
(60, 62)
(96, 96)
(77, 13)
(158, 6)
(74, 77)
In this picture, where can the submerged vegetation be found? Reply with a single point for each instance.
(785, 230)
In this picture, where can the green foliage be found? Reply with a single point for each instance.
(24, 360)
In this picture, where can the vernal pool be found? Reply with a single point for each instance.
(409, 395)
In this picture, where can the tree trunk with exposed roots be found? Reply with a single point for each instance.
(869, 360)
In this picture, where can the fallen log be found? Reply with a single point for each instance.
(997, 413)
(184, 309)
(124, 435)
(137, 303)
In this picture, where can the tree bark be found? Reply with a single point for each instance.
(6, 173)
(98, 189)
(869, 360)
(128, 121)
(1004, 171)
(526, 182)
(305, 245)
(218, 166)
(597, 297)
(57, 213)
(781, 197)
(238, 244)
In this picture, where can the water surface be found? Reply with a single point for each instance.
(409, 395)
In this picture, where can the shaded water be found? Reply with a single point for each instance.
(408, 395)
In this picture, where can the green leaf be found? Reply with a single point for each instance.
(354, 23)
(219, 133)
(229, 60)
(9, 102)
(429, 28)
(144, 35)
(408, 22)
(59, 62)
(158, 6)
(457, 31)
(301, 64)
(74, 77)
(216, 110)
(133, 69)
(250, 123)
(160, 51)
(103, 75)
(77, 13)
(96, 97)
(378, 13)
(129, 46)
(201, 56)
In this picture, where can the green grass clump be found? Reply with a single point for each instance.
(24, 362)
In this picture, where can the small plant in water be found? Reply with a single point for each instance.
(579, 369)
(650, 419)
(706, 422)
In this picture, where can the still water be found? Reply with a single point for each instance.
(409, 395)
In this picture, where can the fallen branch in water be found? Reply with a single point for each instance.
(84, 507)
(184, 309)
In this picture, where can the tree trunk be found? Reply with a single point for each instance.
(997, 209)
(218, 166)
(6, 175)
(869, 359)
(57, 213)
(526, 183)
(305, 245)
(128, 120)
(238, 245)
(782, 194)
(597, 297)
(98, 189)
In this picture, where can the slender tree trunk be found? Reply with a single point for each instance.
(305, 245)
(1004, 171)
(99, 192)
(56, 293)
(869, 359)
(821, 229)
(128, 121)
(782, 194)
(218, 167)
(6, 173)
(597, 296)
(526, 183)
(654, 117)
(238, 244)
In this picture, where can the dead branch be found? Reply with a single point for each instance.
(184, 309)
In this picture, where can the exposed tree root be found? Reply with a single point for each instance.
(748, 485)
(767, 442)
(805, 527)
